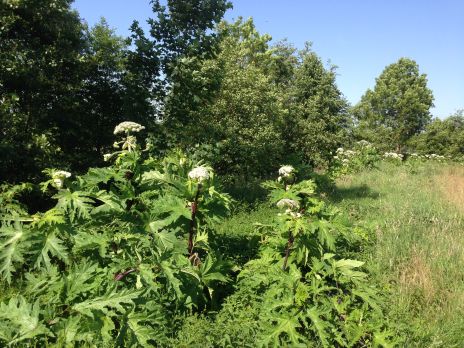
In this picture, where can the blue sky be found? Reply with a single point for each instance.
(361, 37)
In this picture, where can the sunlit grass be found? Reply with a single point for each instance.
(418, 255)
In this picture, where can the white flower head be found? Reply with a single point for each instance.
(393, 155)
(107, 156)
(364, 143)
(59, 176)
(58, 183)
(128, 127)
(340, 150)
(295, 215)
(286, 171)
(199, 174)
(288, 203)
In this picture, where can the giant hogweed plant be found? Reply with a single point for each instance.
(308, 292)
(121, 254)
(363, 156)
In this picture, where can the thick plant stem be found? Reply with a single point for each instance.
(290, 241)
(192, 221)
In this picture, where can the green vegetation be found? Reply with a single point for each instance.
(418, 252)
(398, 107)
(198, 186)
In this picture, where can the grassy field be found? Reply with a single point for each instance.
(418, 252)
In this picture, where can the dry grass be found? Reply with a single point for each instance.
(417, 278)
(451, 184)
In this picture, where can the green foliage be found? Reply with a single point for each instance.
(40, 44)
(397, 108)
(441, 137)
(319, 299)
(317, 122)
(111, 262)
(363, 156)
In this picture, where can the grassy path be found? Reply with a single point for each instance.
(418, 255)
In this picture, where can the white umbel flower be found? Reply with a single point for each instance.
(59, 176)
(199, 174)
(288, 203)
(286, 171)
(393, 155)
(364, 143)
(107, 156)
(128, 127)
(293, 214)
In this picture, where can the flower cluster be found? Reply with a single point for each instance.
(286, 171)
(341, 152)
(363, 143)
(59, 176)
(291, 206)
(288, 203)
(436, 157)
(393, 156)
(199, 174)
(128, 127)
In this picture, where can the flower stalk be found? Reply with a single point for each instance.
(194, 208)
(290, 241)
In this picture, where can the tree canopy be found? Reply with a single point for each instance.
(399, 105)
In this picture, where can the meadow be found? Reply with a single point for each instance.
(417, 253)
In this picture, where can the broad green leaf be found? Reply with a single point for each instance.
(76, 204)
(13, 246)
(108, 303)
(23, 317)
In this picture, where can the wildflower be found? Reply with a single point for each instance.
(59, 176)
(363, 143)
(199, 174)
(107, 156)
(286, 171)
(340, 150)
(116, 145)
(393, 155)
(128, 127)
(288, 203)
(295, 215)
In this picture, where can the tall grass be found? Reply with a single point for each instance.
(418, 253)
